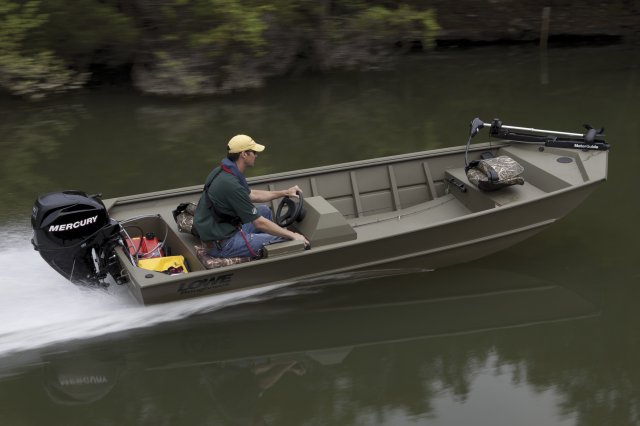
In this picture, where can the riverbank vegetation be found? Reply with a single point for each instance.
(203, 47)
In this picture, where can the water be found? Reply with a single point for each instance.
(41, 309)
(544, 333)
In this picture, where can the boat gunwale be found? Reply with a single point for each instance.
(194, 189)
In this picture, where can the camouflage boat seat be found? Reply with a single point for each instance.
(211, 262)
(492, 173)
(183, 216)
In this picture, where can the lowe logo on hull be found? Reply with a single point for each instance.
(205, 284)
(73, 225)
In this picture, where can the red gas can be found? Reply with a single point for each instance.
(152, 246)
(147, 246)
(134, 246)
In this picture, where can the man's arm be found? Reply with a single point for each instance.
(265, 225)
(261, 196)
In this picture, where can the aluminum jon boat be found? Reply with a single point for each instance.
(416, 211)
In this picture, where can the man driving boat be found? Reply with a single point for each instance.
(228, 223)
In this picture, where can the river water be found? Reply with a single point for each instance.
(547, 332)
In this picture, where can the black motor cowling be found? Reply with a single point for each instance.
(74, 234)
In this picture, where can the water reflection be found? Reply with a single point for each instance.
(31, 141)
(316, 352)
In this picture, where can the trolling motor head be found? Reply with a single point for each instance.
(475, 125)
(74, 234)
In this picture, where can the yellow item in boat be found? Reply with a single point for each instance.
(168, 264)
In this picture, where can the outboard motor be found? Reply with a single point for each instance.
(74, 234)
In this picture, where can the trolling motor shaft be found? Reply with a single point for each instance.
(590, 140)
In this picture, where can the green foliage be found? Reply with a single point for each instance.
(221, 27)
(236, 25)
(47, 46)
(23, 70)
(16, 21)
(85, 31)
(401, 23)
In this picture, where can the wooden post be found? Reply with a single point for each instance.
(544, 40)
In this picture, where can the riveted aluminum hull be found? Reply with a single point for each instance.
(408, 211)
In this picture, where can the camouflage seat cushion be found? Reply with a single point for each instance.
(211, 262)
(495, 173)
(184, 217)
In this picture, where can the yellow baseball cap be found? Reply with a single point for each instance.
(240, 143)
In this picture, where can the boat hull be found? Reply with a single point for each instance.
(448, 227)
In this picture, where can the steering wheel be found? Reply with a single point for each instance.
(294, 213)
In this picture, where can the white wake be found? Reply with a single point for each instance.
(38, 307)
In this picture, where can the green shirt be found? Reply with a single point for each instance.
(229, 197)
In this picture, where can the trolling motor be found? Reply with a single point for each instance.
(490, 174)
(590, 140)
(73, 233)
